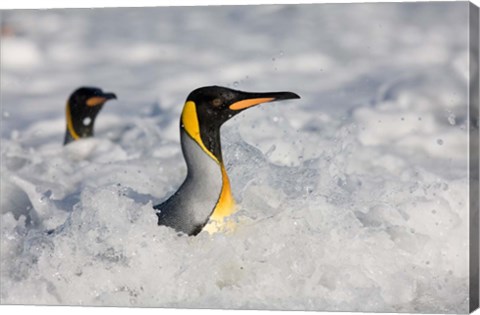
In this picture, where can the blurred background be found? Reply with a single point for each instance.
(368, 171)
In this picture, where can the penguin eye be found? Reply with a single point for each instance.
(217, 102)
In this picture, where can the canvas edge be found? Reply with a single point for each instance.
(473, 101)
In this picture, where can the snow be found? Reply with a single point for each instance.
(354, 198)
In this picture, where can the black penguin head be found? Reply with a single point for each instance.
(215, 104)
(207, 108)
(82, 108)
(89, 99)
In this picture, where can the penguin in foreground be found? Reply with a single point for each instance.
(204, 199)
(82, 108)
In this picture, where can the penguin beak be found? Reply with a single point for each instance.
(99, 100)
(253, 99)
(109, 96)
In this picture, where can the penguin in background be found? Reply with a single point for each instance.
(81, 111)
(204, 200)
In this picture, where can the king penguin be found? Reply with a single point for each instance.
(82, 108)
(204, 200)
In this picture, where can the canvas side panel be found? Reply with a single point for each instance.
(474, 154)
(1, 89)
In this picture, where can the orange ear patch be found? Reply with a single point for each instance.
(96, 100)
(192, 127)
(249, 103)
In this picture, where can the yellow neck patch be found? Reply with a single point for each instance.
(226, 204)
(192, 127)
(70, 128)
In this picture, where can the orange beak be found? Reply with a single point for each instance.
(99, 100)
(253, 99)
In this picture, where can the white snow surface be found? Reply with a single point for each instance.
(353, 198)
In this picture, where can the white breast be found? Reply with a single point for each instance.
(193, 203)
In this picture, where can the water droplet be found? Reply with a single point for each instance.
(403, 118)
(273, 59)
(86, 121)
(439, 141)
(451, 119)
(281, 53)
(270, 150)
(419, 118)
(235, 83)
(275, 119)
(6, 114)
